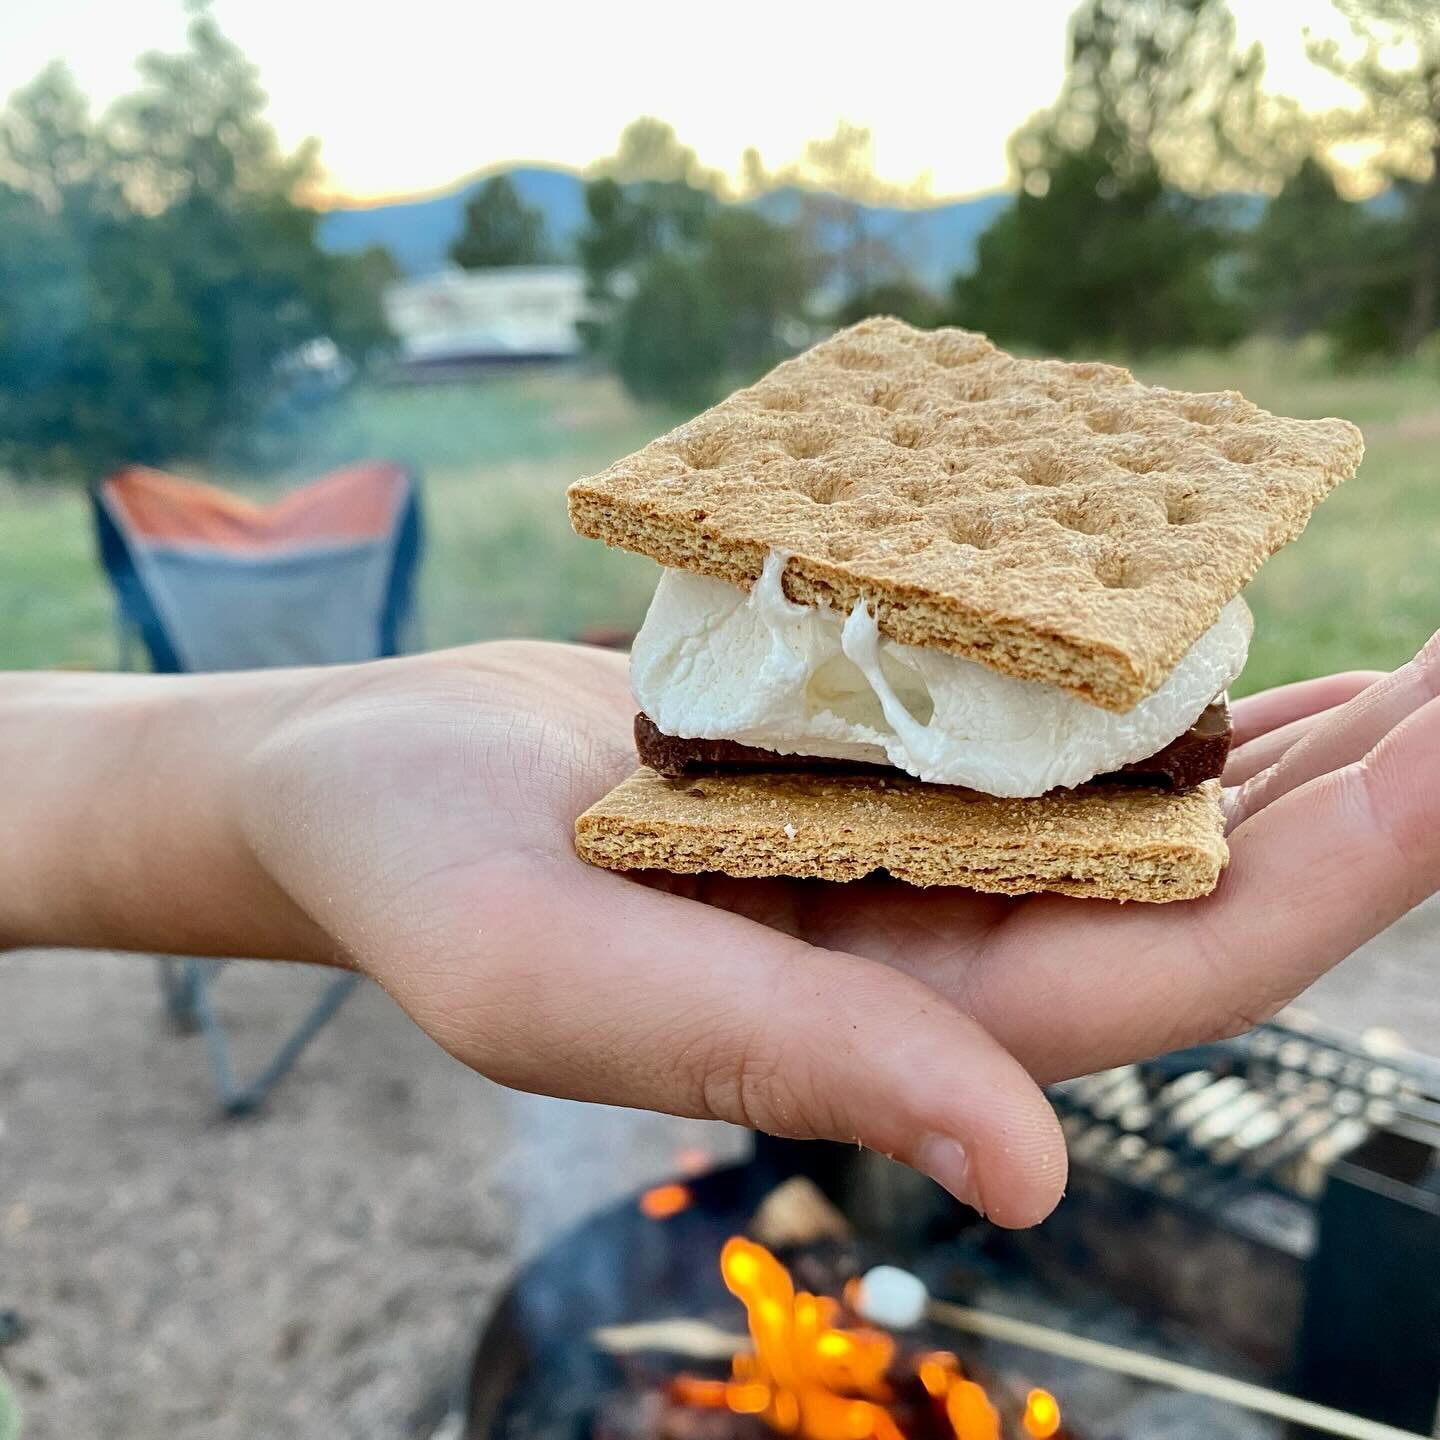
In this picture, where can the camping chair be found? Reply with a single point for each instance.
(206, 581)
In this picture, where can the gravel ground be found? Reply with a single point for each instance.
(321, 1270)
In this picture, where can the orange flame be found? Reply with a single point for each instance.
(938, 1371)
(809, 1377)
(820, 1381)
(970, 1412)
(1042, 1414)
(664, 1201)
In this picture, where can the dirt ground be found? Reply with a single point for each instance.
(317, 1271)
(321, 1270)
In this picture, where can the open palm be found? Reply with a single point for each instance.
(421, 813)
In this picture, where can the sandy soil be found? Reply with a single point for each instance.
(320, 1271)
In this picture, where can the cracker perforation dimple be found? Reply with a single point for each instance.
(857, 357)
(1108, 420)
(918, 490)
(1183, 509)
(1222, 408)
(824, 487)
(1087, 528)
(970, 530)
(1139, 462)
(1121, 572)
(1046, 468)
(1245, 447)
(910, 434)
(780, 399)
(952, 349)
(705, 450)
(890, 396)
(807, 443)
(1084, 521)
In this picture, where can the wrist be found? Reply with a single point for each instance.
(122, 815)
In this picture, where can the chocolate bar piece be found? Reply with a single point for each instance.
(1197, 755)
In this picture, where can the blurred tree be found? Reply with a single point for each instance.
(43, 302)
(839, 192)
(1161, 85)
(158, 271)
(1100, 248)
(759, 278)
(671, 343)
(1092, 262)
(650, 152)
(1398, 72)
(734, 285)
(375, 267)
(49, 146)
(843, 163)
(902, 298)
(1372, 320)
(196, 128)
(754, 177)
(53, 160)
(650, 198)
(654, 219)
(1311, 261)
(499, 229)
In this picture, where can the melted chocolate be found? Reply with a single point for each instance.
(1199, 754)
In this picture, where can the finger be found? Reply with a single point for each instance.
(1257, 715)
(587, 985)
(1345, 734)
(1266, 750)
(1311, 877)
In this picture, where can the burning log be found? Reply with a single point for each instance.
(797, 1213)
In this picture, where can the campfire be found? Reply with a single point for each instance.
(1199, 1279)
(814, 1373)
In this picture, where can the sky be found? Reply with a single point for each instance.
(409, 98)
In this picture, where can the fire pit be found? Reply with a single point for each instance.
(1266, 1212)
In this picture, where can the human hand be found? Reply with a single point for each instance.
(421, 813)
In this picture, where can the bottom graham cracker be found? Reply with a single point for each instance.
(1100, 842)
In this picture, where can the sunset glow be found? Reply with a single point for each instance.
(410, 98)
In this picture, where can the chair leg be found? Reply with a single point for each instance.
(237, 1098)
(179, 982)
(217, 1046)
(185, 985)
(247, 1098)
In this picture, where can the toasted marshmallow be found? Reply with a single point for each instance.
(712, 662)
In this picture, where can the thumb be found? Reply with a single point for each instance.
(584, 984)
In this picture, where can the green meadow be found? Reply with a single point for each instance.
(1361, 588)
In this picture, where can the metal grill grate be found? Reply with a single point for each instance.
(1271, 1111)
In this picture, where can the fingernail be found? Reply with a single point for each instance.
(946, 1162)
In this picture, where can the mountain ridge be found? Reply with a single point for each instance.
(932, 241)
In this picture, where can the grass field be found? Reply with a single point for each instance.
(1362, 588)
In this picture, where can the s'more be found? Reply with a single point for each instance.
(964, 617)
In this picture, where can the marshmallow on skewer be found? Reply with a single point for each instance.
(896, 1299)
(892, 1298)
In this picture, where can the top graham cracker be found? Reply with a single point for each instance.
(1058, 522)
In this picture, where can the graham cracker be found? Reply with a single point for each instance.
(1115, 843)
(1059, 522)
